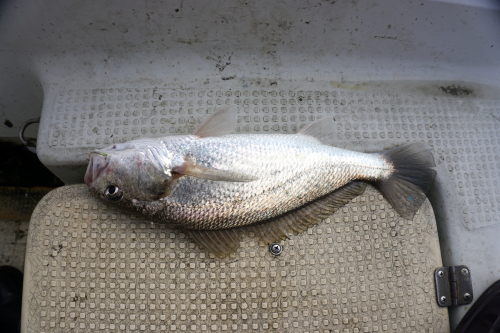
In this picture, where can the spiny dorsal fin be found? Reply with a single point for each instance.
(322, 129)
(191, 169)
(301, 219)
(221, 122)
(219, 242)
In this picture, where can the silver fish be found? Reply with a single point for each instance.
(214, 183)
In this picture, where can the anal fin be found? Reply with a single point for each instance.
(222, 242)
(301, 219)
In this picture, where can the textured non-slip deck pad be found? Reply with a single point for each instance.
(462, 129)
(91, 267)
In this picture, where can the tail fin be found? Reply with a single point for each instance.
(411, 179)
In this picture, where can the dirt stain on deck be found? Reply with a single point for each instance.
(456, 90)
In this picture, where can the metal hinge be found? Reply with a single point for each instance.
(453, 285)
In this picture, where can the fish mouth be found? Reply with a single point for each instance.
(97, 164)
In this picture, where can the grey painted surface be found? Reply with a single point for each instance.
(56, 43)
(13, 237)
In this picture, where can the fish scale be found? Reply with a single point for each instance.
(306, 169)
(216, 182)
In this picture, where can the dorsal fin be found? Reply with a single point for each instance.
(221, 122)
(322, 129)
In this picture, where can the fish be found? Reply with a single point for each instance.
(215, 184)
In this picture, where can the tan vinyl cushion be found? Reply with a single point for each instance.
(91, 267)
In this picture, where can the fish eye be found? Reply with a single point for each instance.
(113, 193)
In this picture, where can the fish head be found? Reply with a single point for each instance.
(123, 176)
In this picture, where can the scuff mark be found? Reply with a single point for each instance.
(57, 249)
(456, 91)
(188, 41)
(386, 37)
(346, 86)
(222, 63)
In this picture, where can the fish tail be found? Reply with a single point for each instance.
(411, 177)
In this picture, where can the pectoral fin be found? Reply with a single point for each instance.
(189, 168)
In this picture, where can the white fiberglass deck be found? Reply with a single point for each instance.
(388, 72)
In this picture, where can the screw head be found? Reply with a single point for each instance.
(440, 274)
(465, 271)
(443, 299)
(466, 297)
(276, 249)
